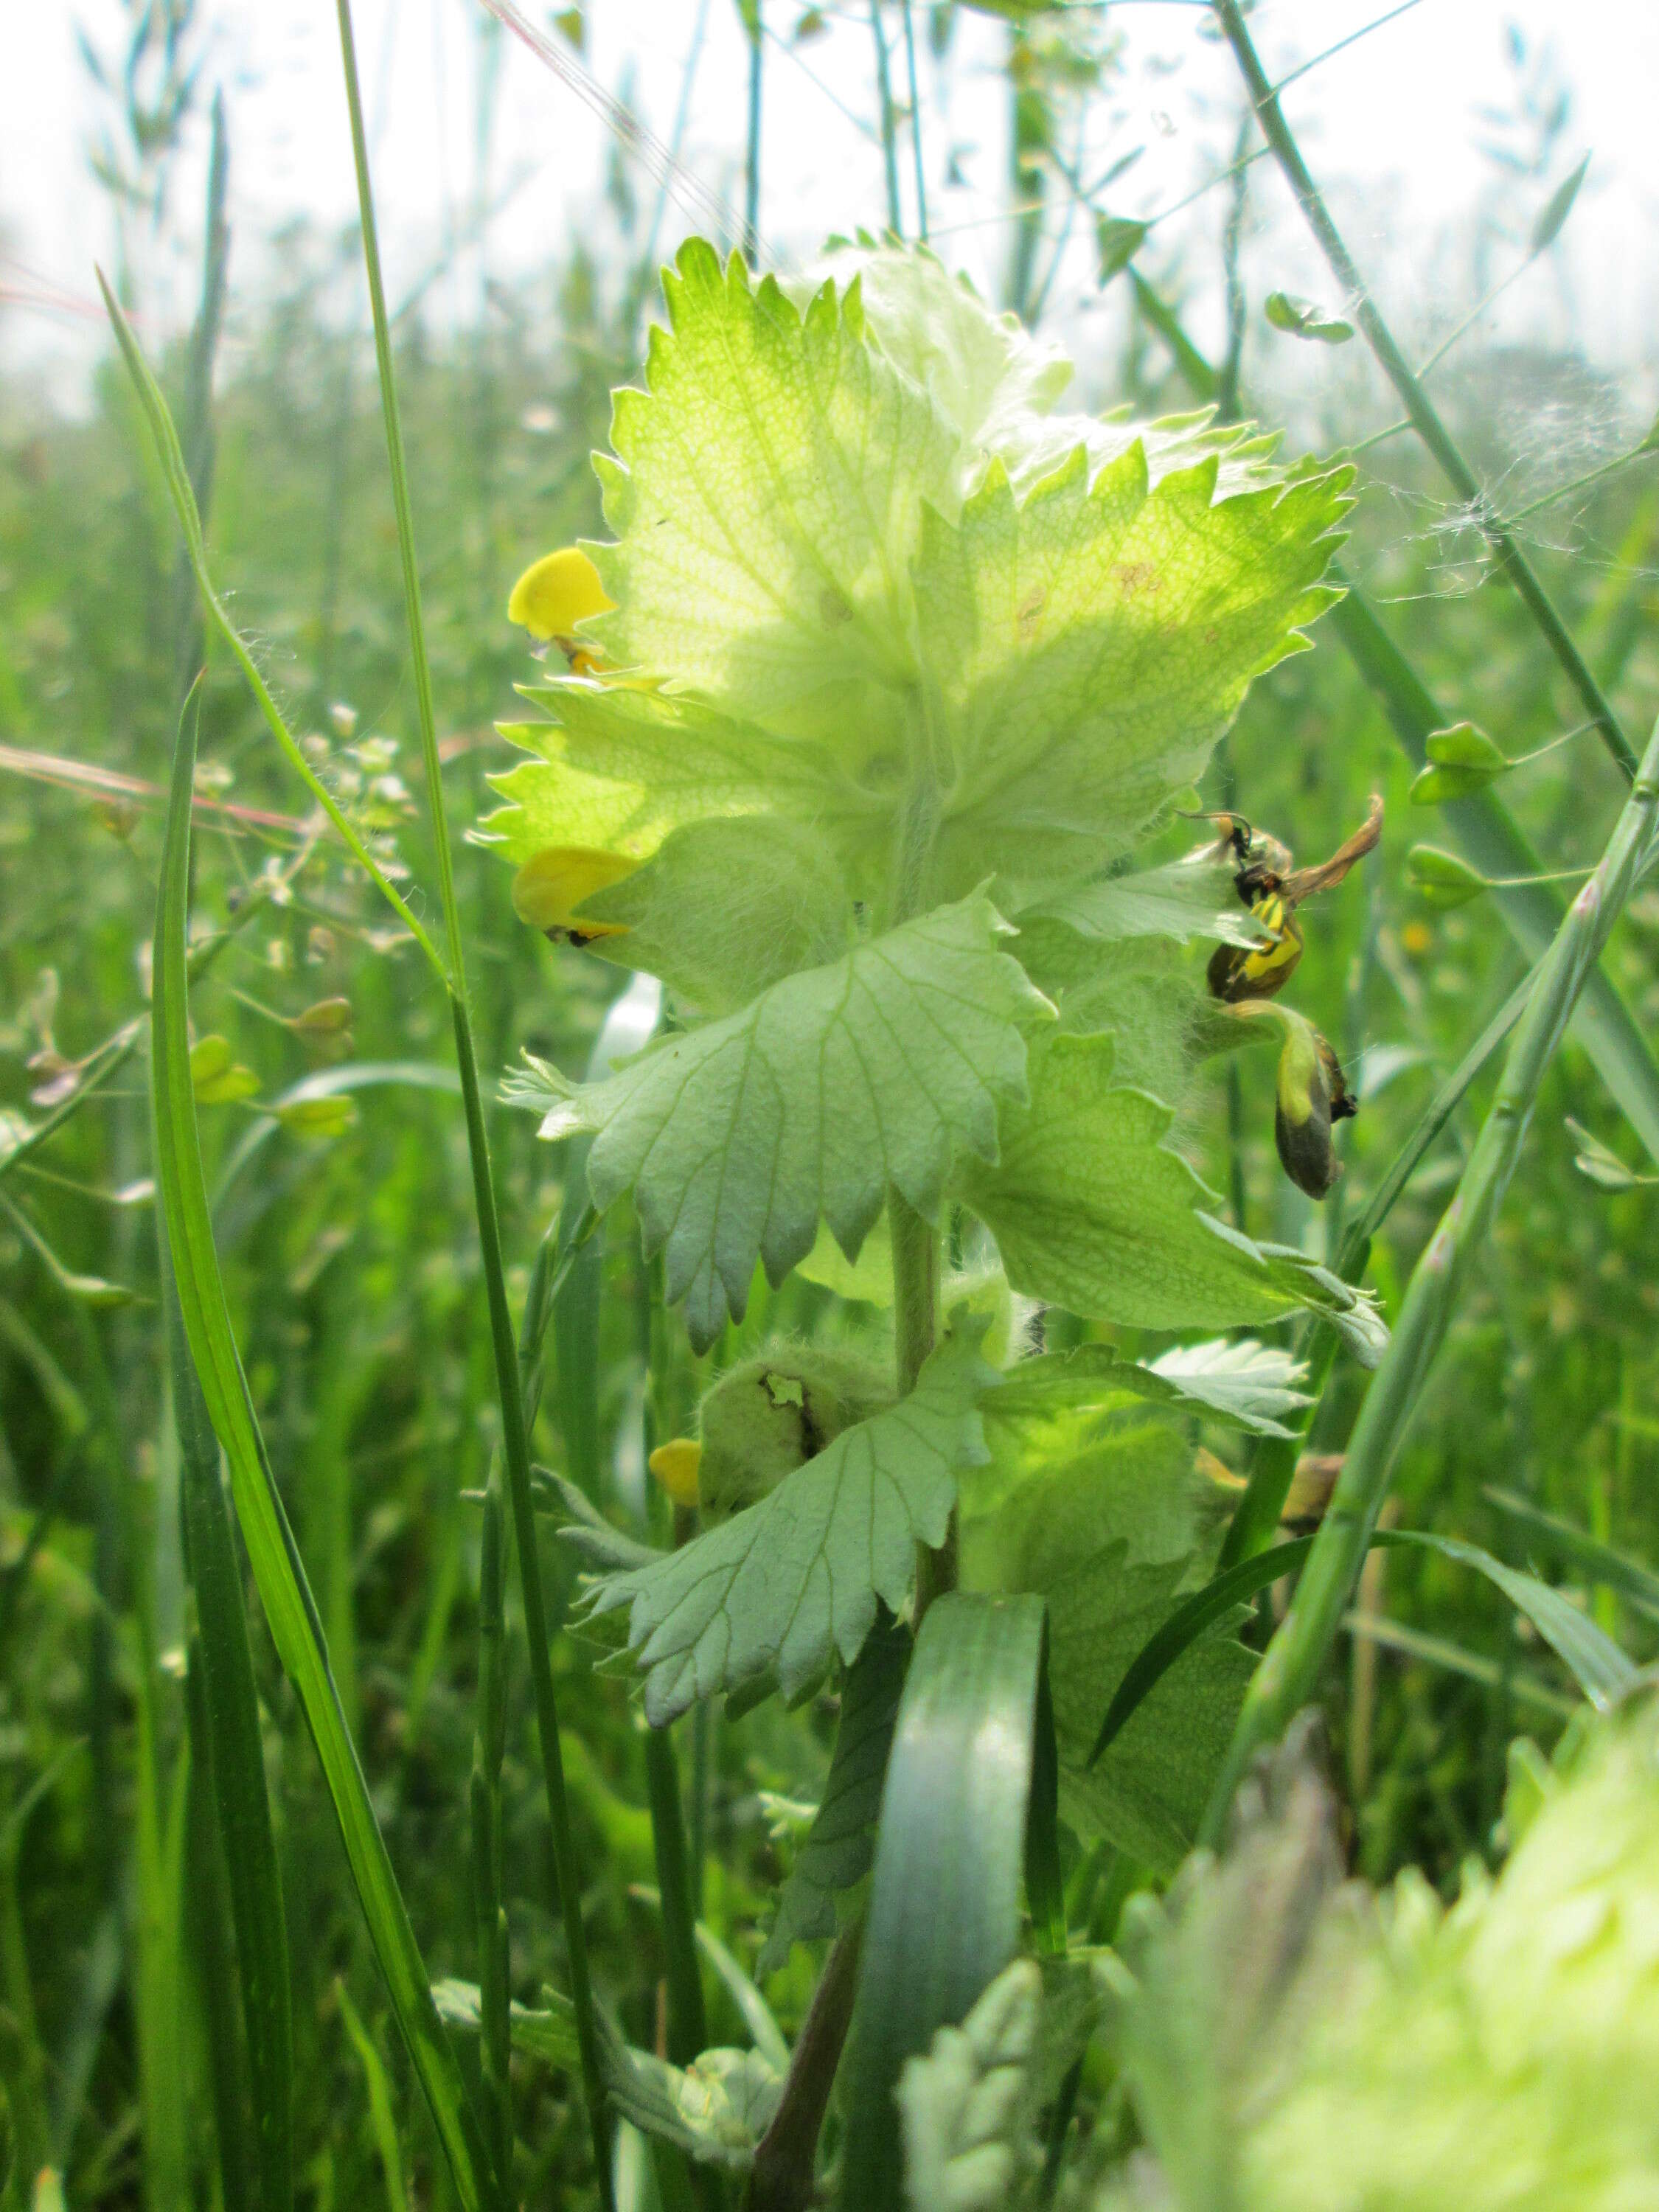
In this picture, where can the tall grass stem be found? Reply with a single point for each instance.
(1426, 418)
(515, 1442)
(1289, 1673)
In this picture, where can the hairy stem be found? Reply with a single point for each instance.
(1426, 418)
(781, 2178)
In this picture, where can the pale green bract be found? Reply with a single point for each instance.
(851, 539)
(876, 1072)
(781, 1588)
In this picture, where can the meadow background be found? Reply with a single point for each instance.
(523, 239)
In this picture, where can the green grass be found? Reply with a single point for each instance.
(339, 1299)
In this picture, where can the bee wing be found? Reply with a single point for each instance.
(1304, 882)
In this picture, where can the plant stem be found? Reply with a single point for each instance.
(687, 2033)
(781, 2178)
(889, 137)
(1645, 452)
(752, 153)
(489, 1742)
(916, 1331)
(515, 1442)
(1289, 1673)
(915, 122)
(1425, 417)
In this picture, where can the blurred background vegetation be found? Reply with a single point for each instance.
(347, 1234)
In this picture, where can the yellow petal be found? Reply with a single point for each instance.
(675, 1465)
(557, 593)
(553, 882)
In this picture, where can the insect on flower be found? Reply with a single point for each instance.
(1272, 890)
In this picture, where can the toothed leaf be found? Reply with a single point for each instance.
(878, 1071)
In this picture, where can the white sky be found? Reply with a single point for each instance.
(1391, 128)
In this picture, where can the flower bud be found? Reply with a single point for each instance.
(766, 1418)
(1310, 1093)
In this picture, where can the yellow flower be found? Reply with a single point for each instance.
(553, 882)
(553, 597)
(675, 1465)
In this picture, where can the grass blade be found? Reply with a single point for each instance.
(949, 1855)
(1595, 1661)
(234, 1752)
(176, 477)
(277, 1568)
(1637, 1585)
(379, 2102)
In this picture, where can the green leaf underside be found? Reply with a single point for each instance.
(1092, 1210)
(724, 909)
(972, 2104)
(841, 1844)
(874, 1072)
(784, 1585)
(1186, 898)
(1111, 1521)
(545, 2032)
(1246, 1384)
(716, 2110)
(620, 767)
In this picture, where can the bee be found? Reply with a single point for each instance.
(1272, 889)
